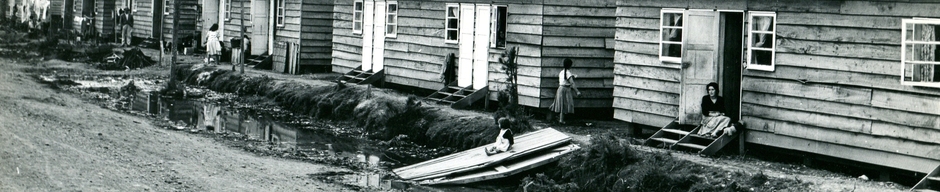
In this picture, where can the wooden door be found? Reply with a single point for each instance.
(699, 62)
(465, 46)
(378, 37)
(481, 46)
(259, 26)
(157, 18)
(210, 15)
(368, 19)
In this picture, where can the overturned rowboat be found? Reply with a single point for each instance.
(530, 150)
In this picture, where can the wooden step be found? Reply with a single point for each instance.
(353, 77)
(691, 145)
(665, 140)
(451, 94)
(441, 100)
(676, 131)
(924, 190)
(703, 137)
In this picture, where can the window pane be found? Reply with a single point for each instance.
(672, 35)
(358, 16)
(671, 50)
(925, 73)
(451, 11)
(393, 8)
(392, 19)
(357, 25)
(925, 32)
(761, 40)
(921, 52)
(452, 23)
(672, 19)
(910, 32)
(391, 29)
(358, 6)
(761, 57)
(762, 23)
(451, 34)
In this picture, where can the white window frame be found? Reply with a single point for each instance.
(662, 14)
(279, 13)
(228, 9)
(133, 5)
(389, 14)
(750, 38)
(905, 43)
(361, 12)
(494, 23)
(447, 18)
(167, 7)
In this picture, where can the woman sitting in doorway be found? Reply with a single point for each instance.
(713, 110)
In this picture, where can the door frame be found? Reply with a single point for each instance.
(720, 63)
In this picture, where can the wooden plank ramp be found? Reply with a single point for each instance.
(476, 158)
(507, 168)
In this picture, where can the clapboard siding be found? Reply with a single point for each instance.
(347, 47)
(240, 10)
(143, 19)
(316, 28)
(835, 89)
(188, 20)
(104, 19)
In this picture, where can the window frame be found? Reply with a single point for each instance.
(662, 13)
(279, 13)
(904, 45)
(447, 19)
(750, 37)
(228, 9)
(167, 9)
(495, 24)
(361, 12)
(389, 14)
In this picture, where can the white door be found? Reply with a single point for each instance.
(367, 37)
(481, 43)
(378, 34)
(259, 26)
(465, 46)
(699, 62)
(210, 15)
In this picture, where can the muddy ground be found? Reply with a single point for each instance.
(56, 138)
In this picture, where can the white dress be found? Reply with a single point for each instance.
(212, 43)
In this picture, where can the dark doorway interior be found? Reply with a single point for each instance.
(732, 36)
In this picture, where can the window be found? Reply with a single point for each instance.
(760, 40)
(391, 23)
(498, 28)
(357, 17)
(132, 4)
(228, 9)
(279, 18)
(451, 23)
(167, 7)
(920, 63)
(670, 31)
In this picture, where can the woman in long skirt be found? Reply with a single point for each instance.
(713, 110)
(213, 48)
(564, 100)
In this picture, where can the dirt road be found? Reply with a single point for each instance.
(53, 141)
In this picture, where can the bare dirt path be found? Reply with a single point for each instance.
(53, 141)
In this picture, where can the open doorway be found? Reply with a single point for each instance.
(730, 56)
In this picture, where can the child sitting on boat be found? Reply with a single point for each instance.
(503, 140)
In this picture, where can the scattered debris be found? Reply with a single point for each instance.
(129, 59)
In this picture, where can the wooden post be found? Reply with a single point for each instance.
(241, 52)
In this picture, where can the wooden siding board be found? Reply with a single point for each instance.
(841, 151)
(843, 94)
(649, 37)
(645, 95)
(869, 51)
(857, 65)
(646, 84)
(649, 72)
(854, 125)
(839, 78)
(639, 12)
(576, 52)
(668, 110)
(906, 101)
(579, 11)
(637, 47)
(585, 42)
(840, 34)
(638, 23)
(894, 8)
(839, 20)
(578, 31)
(642, 118)
(802, 6)
(865, 141)
(905, 132)
(571, 21)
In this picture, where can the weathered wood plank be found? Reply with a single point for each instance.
(645, 71)
(571, 21)
(906, 101)
(906, 9)
(528, 9)
(845, 78)
(637, 36)
(516, 28)
(718, 4)
(639, 12)
(838, 20)
(843, 94)
(647, 84)
(865, 141)
(421, 22)
(880, 67)
(422, 13)
(668, 110)
(852, 153)
(870, 51)
(579, 11)
(642, 118)
(840, 34)
(557, 62)
(800, 6)
(578, 31)
(638, 47)
(638, 23)
(524, 38)
(588, 42)
(621, 57)
(905, 132)
(755, 123)
(646, 95)
(584, 3)
(577, 52)
(854, 125)
(810, 104)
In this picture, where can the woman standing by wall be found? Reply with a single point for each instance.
(564, 100)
